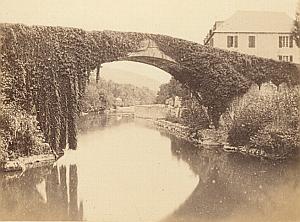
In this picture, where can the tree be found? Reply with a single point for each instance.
(296, 31)
(102, 95)
(170, 89)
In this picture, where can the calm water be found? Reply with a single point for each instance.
(125, 171)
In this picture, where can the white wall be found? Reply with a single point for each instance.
(155, 111)
(267, 45)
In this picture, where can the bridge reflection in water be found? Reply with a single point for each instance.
(225, 187)
(41, 194)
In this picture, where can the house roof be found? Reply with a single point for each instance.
(257, 21)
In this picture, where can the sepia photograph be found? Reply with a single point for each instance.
(150, 110)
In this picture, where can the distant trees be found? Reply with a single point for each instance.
(170, 89)
(103, 95)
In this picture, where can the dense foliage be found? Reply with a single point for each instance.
(169, 90)
(19, 134)
(45, 72)
(104, 94)
(269, 122)
(193, 114)
(296, 31)
(46, 69)
(219, 75)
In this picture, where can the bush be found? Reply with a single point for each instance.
(249, 121)
(269, 122)
(195, 116)
(19, 134)
(276, 140)
(173, 119)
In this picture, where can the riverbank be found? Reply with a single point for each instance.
(204, 137)
(248, 151)
(22, 163)
(213, 137)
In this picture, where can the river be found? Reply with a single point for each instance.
(125, 170)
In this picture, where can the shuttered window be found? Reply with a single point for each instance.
(291, 41)
(280, 44)
(232, 41)
(229, 41)
(236, 41)
(251, 41)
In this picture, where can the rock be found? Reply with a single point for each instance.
(230, 148)
(22, 163)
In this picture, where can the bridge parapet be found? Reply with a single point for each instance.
(148, 48)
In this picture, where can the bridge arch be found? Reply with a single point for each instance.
(45, 71)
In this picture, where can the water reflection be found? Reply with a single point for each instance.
(40, 194)
(236, 188)
(95, 122)
(61, 189)
(129, 171)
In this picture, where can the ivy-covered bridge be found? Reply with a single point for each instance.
(45, 70)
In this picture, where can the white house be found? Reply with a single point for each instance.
(263, 34)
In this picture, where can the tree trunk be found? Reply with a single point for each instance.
(72, 107)
(98, 73)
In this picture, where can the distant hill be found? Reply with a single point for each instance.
(125, 77)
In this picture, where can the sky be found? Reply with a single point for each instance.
(187, 19)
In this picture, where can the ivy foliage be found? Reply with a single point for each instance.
(46, 70)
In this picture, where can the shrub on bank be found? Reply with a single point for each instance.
(173, 119)
(19, 134)
(281, 141)
(269, 122)
(195, 116)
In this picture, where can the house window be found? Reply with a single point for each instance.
(232, 41)
(236, 41)
(286, 58)
(285, 41)
(291, 41)
(251, 41)
(229, 41)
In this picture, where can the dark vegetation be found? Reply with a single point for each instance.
(193, 115)
(19, 133)
(268, 121)
(296, 31)
(171, 89)
(46, 69)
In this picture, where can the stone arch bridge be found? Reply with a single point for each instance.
(44, 71)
